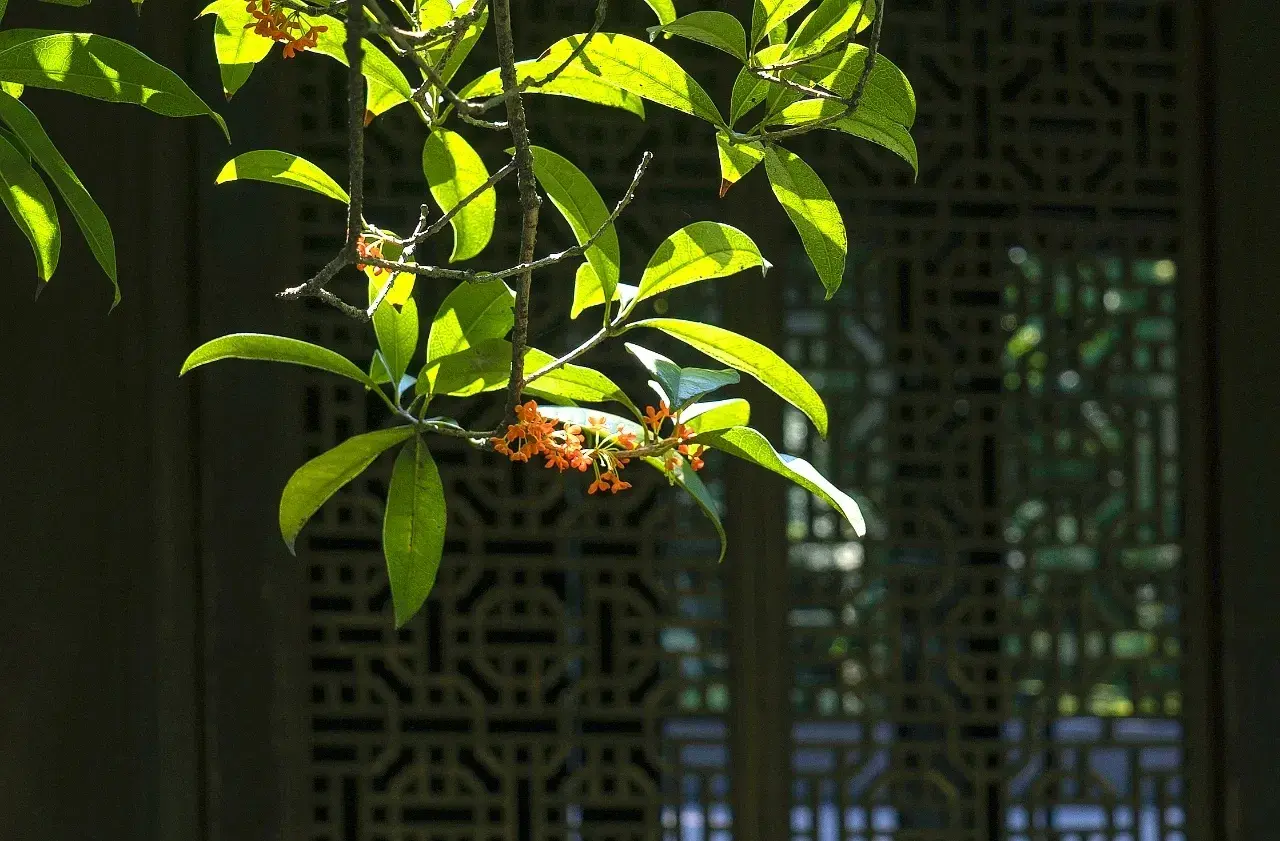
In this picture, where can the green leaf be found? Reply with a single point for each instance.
(747, 444)
(589, 292)
(281, 168)
(749, 90)
(778, 34)
(237, 48)
(397, 332)
(483, 366)
(831, 20)
(580, 204)
(678, 387)
(434, 13)
(736, 160)
(867, 124)
(17, 143)
(413, 528)
(469, 314)
(92, 221)
(315, 482)
(664, 9)
(4, 4)
(749, 357)
(767, 15)
(697, 252)
(264, 348)
(574, 382)
(808, 202)
(574, 81)
(715, 29)
(454, 171)
(888, 93)
(31, 206)
(688, 479)
(12, 88)
(387, 86)
(643, 70)
(717, 414)
(100, 68)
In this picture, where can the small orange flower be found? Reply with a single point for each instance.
(279, 25)
(600, 484)
(626, 440)
(363, 249)
(653, 418)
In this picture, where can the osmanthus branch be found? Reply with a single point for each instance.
(855, 97)
(315, 287)
(602, 8)
(438, 225)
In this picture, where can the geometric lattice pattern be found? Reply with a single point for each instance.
(999, 659)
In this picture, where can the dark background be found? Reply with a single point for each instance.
(112, 726)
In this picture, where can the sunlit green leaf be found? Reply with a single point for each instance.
(434, 13)
(749, 357)
(643, 70)
(397, 332)
(575, 81)
(888, 93)
(454, 170)
(678, 387)
(413, 528)
(574, 382)
(261, 347)
(701, 251)
(469, 314)
(832, 20)
(315, 482)
(97, 67)
(688, 479)
(865, 123)
(387, 85)
(589, 292)
(579, 202)
(717, 414)
(93, 223)
(237, 48)
(664, 9)
(482, 366)
(715, 29)
(29, 202)
(14, 89)
(736, 160)
(281, 168)
(749, 445)
(749, 90)
(808, 202)
(769, 14)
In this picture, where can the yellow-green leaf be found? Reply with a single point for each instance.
(701, 251)
(749, 90)
(664, 9)
(747, 444)
(736, 160)
(767, 15)
(397, 332)
(413, 528)
(579, 202)
(830, 21)
(471, 313)
(29, 202)
(715, 29)
(387, 85)
(315, 482)
(575, 81)
(281, 168)
(808, 202)
(237, 48)
(265, 348)
(589, 292)
(717, 414)
(867, 123)
(749, 357)
(454, 170)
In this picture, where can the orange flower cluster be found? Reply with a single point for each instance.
(286, 27)
(365, 250)
(565, 448)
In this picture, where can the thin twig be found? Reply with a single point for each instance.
(439, 224)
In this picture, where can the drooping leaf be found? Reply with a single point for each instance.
(315, 482)
(92, 221)
(715, 29)
(29, 202)
(664, 9)
(749, 357)
(749, 90)
(701, 251)
(808, 202)
(579, 202)
(832, 20)
(767, 15)
(736, 160)
(717, 414)
(237, 48)
(865, 123)
(281, 168)
(747, 444)
(454, 170)
(265, 348)
(387, 86)
(589, 292)
(688, 479)
(575, 81)
(679, 387)
(413, 528)
(469, 314)
(643, 70)
(100, 68)
(397, 332)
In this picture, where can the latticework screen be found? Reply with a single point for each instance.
(1000, 659)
